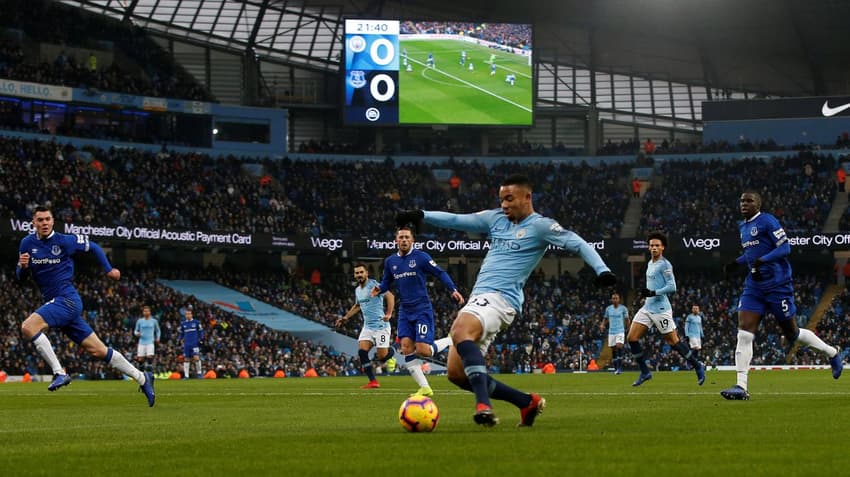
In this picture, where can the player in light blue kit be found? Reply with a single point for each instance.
(519, 237)
(191, 332)
(430, 62)
(656, 311)
(768, 288)
(47, 256)
(617, 317)
(376, 322)
(408, 269)
(147, 330)
(693, 330)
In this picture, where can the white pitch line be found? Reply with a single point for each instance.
(472, 85)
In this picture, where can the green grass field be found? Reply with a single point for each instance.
(594, 424)
(451, 94)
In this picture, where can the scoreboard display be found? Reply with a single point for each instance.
(371, 71)
(399, 72)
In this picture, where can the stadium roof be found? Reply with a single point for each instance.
(777, 47)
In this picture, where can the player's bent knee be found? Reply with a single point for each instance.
(457, 378)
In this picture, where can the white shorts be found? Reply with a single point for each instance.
(663, 321)
(494, 313)
(695, 342)
(144, 350)
(380, 338)
(614, 340)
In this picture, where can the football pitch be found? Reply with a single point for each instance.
(451, 93)
(594, 424)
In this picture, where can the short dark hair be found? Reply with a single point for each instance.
(361, 264)
(657, 236)
(410, 227)
(41, 208)
(517, 179)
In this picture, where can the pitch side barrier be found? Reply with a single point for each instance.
(379, 247)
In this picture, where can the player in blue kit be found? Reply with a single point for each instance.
(617, 317)
(47, 257)
(519, 237)
(191, 332)
(768, 288)
(408, 269)
(656, 311)
(147, 330)
(376, 322)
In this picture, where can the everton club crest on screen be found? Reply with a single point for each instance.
(371, 71)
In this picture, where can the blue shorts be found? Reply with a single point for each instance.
(778, 301)
(65, 313)
(190, 351)
(417, 325)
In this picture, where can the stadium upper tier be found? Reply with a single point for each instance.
(47, 42)
(358, 199)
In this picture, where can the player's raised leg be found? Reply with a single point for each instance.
(94, 346)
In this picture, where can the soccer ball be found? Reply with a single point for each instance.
(418, 414)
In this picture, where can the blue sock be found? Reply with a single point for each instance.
(686, 353)
(503, 392)
(637, 354)
(366, 363)
(475, 369)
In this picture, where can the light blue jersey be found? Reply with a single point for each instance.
(148, 330)
(693, 326)
(616, 317)
(515, 249)
(659, 278)
(371, 307)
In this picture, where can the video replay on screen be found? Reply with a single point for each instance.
(432, 73)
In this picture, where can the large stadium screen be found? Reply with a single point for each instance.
(409, 73)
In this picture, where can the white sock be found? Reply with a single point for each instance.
(186, 369)
(414, 367)
(198, 367)
(442, 344)
(119, 362)
(743, 356)
(45, 349)
(811, 340)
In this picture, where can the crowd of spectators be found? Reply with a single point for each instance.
(151, 72)
(138, 188)
(832, 327)
(678, 146)
(231, 344)
(126, 186)
(701, 198)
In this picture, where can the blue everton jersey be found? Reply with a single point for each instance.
(515, 249)
(659, 278)
(51, 262)
(408, 272)
(371, 307)
(763, 237)
(616, 317)
(191, 333)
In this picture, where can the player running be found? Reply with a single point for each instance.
(47, 256)
(376, 322)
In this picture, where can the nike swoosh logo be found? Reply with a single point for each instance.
(827, 111)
